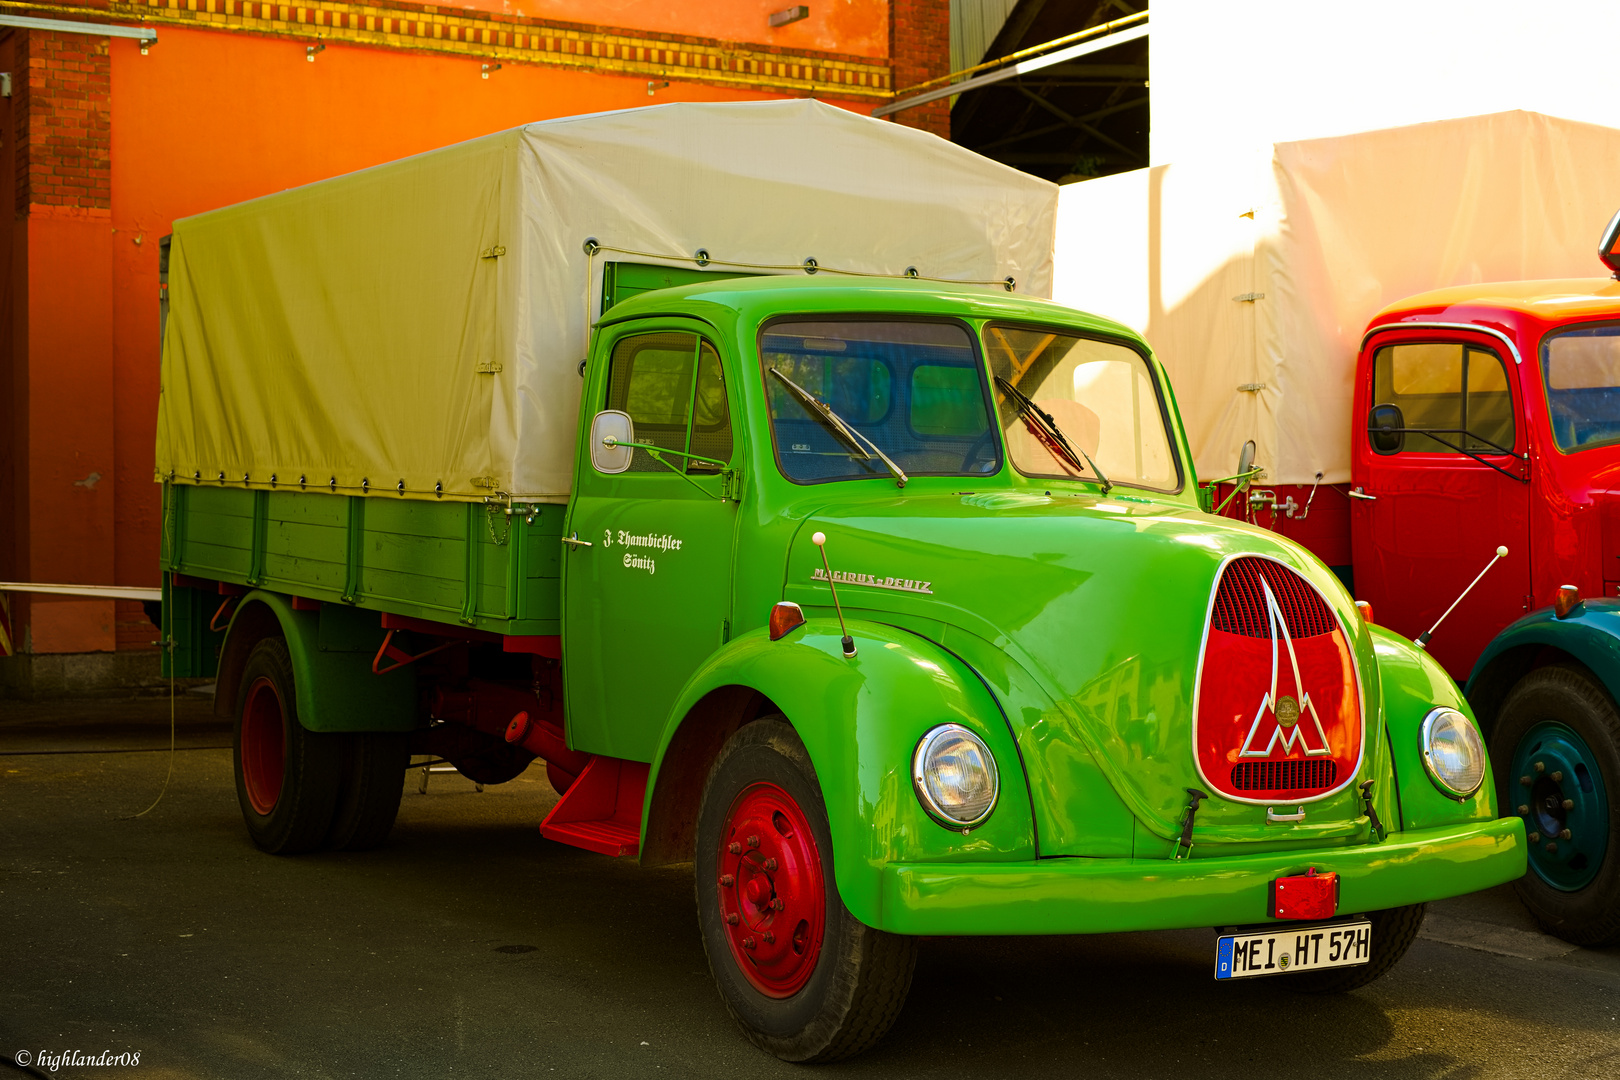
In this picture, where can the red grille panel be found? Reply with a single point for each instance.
(1240, 603)
(1311, 775)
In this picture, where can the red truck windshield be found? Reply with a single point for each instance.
(1581, 370)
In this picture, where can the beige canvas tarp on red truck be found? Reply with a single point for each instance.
(1253, 276)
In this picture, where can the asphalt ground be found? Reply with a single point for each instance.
(469, 946)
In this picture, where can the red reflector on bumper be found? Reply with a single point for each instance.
(1308, 896)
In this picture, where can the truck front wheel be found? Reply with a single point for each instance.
(1556, 749)
(804, 978)
(287, 778)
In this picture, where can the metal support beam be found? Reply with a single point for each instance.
(1023, 67)
(105, 592)
(146, 35)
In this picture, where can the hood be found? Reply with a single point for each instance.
(1261, 693)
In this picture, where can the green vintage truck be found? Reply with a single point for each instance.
(887, 602)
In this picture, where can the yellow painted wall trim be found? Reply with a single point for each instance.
(512, 39)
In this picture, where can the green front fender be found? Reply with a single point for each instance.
(1413, 684)
(331, 652)
(860, 720)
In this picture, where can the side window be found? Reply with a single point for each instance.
(673, 387)
(1458, 392)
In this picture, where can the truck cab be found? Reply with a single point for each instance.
(1491, 419)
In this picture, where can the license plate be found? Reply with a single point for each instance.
(1278, 950)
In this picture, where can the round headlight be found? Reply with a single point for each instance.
(955, 776)
(1453, 752)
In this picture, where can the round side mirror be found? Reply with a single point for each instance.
(610, 430)
(1245, 462)
(1385, 428)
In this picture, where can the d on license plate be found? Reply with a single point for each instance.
(1276, 950)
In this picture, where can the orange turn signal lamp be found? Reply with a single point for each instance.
(1366, 611)
(786, 616)
(1567, 600)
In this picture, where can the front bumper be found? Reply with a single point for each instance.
(1095, 896)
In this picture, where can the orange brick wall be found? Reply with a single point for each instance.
(63, 119)
(920, 50)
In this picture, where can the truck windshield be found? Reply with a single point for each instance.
(1102, 397)
(1581, 369)
(915, 389)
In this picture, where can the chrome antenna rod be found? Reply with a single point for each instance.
(820, 540)
(1422, 640)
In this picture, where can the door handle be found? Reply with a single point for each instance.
(576, 541)
(1357, 493)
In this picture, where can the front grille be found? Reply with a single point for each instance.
(1240, 602)
(1312, 774)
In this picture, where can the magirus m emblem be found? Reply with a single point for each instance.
(1284, 718)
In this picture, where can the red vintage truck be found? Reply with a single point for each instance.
(1489, 419)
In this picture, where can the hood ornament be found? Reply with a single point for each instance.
(1286, 710)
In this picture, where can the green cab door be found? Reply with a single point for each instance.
(647, 578)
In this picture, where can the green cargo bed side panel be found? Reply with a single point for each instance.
(467, 564)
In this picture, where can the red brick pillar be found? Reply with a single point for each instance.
(57, 358)
(920, 50)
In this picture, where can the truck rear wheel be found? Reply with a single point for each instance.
(1556, 749)
(803, 978)
(286, 777)
(1393, 931)
(373, 778)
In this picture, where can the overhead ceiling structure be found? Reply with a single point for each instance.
(1075, 119)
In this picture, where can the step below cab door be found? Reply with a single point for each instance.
(1438, 484)
(647, 582)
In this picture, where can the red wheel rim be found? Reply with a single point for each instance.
(773, 900)
(264, 745)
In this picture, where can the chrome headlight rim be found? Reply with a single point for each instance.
(919, 782)
(1425, 747)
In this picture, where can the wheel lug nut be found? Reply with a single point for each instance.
(748, 943)
(1535, 838)
(770, 866)
(1541, 766)
(727, 880)
(1564, 834)
(1524, 811)
(1552, 846)
(734, 848)
(1558, 777)
(1526, 781)
(1569, 804)
(753, 841)
(770, 938)
(731, 920)
(778, 904)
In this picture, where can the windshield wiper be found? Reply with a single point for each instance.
(841, 431)
(1045, 428)
(1435, 433)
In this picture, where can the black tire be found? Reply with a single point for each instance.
(857, 985)
(286, 803)
(1589, 915)
(373, 779)
(1393, 931)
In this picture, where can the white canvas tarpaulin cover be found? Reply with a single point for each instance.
(423, 321)
(1254, 276)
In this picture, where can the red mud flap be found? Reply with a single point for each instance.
(601, 810)
(1307, 896)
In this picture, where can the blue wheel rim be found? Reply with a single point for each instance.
(1552, 767)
